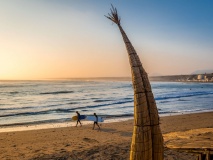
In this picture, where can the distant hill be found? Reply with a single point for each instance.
(202, 71)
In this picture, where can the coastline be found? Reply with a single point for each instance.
(70, 123)
(19, 128)
(113, 141)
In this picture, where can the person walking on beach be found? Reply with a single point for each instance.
(78, 120)
(96, 122)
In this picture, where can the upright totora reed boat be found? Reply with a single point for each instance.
(147, 140)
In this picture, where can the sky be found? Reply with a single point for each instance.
(42, 39)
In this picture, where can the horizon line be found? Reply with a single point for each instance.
(70, 78)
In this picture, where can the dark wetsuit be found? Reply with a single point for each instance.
(96, 122)
(78, 115)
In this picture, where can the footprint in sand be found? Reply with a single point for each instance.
(36, 150)
(90, 140)
(67, 145)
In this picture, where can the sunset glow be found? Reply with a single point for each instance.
(68, 39)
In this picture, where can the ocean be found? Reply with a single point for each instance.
(40, 102)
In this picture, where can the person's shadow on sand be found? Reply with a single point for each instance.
(110, 130)
(126, 134)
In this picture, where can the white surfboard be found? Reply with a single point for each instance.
(93, 118)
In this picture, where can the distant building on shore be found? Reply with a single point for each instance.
(200, 77)
(185, 78)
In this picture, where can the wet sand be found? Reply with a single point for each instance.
(112, 142)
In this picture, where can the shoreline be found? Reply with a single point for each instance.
(21, 128)
(40, 126)
(112, 142)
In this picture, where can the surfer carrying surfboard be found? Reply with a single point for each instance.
(78, 120)
(96, 122)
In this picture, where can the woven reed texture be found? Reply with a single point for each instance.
(147, 143)
(147, 140)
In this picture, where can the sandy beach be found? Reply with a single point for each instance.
(112, 142)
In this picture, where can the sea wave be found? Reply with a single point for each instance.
(183, 100)
(102, 100)
(5, 109)
(13, 92)
(37, 113)
(125, 86)
(196, 110)
(61, 110)
(168, 112)
(107, 104)
(18, 85)
(170, 96)
(36, 122)
(73, 103)
(164, 101)
(58, 92)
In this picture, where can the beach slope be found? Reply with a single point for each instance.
(112, 142)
